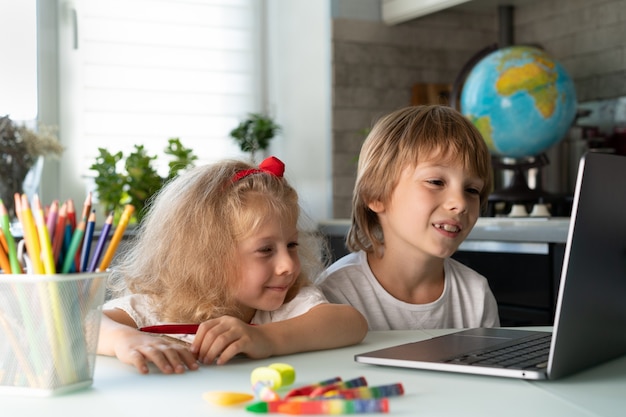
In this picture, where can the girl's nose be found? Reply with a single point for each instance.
(287, 262)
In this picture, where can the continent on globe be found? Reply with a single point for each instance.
(520, 99)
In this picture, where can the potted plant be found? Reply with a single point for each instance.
(138, 180)
(254, 133)
(20, 148)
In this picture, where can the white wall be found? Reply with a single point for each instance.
(299, 95)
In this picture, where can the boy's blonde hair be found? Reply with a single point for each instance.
(402, 139)
(184, 257)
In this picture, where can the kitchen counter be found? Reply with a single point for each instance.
(501, 229)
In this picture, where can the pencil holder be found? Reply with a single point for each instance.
(49, 326)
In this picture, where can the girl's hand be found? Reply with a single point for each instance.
(219, 340)
(139, 349)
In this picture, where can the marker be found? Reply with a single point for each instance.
(351, 383)
(377, 405)
(382, 391)
(307, 390)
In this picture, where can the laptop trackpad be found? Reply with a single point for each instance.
(444, 347)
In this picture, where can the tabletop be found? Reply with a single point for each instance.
(119, 390)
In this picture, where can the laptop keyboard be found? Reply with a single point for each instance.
(530, 353)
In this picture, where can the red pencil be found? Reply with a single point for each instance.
(71, 214)
(57, 242)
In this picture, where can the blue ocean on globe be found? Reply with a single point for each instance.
(520, 99)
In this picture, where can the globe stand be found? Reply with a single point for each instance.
(518, 191)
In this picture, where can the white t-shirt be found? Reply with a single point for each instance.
(138, 307)
(466, 300)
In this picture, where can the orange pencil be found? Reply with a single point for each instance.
(3, 241)
(5, 265)
(117, 237)
(18, 205)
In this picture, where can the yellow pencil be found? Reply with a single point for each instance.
(44, 237)
(117, 237)
(30, 234)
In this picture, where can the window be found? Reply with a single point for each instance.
(18, 67)
(143, 71)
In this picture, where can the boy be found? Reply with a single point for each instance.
(424, 172)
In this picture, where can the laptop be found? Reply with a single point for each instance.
(590, 318)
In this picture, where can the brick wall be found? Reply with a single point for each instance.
(375, 66)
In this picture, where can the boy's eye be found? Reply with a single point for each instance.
(473, 191)
(293, 245)
(435, 182)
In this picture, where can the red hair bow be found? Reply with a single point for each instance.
(271, 165)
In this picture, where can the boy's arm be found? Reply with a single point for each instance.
(324, 326)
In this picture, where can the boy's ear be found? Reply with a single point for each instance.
(376, 206)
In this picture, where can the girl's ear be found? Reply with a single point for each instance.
(376, 206)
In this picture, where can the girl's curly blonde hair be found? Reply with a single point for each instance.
(184, 255)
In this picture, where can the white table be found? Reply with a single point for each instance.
(118, 390)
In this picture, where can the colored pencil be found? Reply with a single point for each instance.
(30, 235)
(18, 205)
(3, 242)
(51, 218)
(16, 268)
(71, 213)
(86, 249)
(117, 237)
(5, 264)
(59, 234)
(77, 238)
(44, 237)
(67, 240)
(84, 215)
(102, 240)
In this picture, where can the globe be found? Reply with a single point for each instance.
(521, 100)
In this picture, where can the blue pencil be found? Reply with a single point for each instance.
(104, 234)
(84, 255)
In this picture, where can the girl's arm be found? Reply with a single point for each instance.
(119, 337)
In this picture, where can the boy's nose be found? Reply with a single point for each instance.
(455, 200)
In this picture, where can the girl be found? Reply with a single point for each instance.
(220, 246)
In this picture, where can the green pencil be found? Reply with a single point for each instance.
(77, 239)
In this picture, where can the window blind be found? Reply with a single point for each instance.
(143, 71)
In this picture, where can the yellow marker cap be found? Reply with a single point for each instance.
(277, 375)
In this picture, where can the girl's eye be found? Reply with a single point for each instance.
(473, 191)
(265, 250)
(293, 245)
(435, 182)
